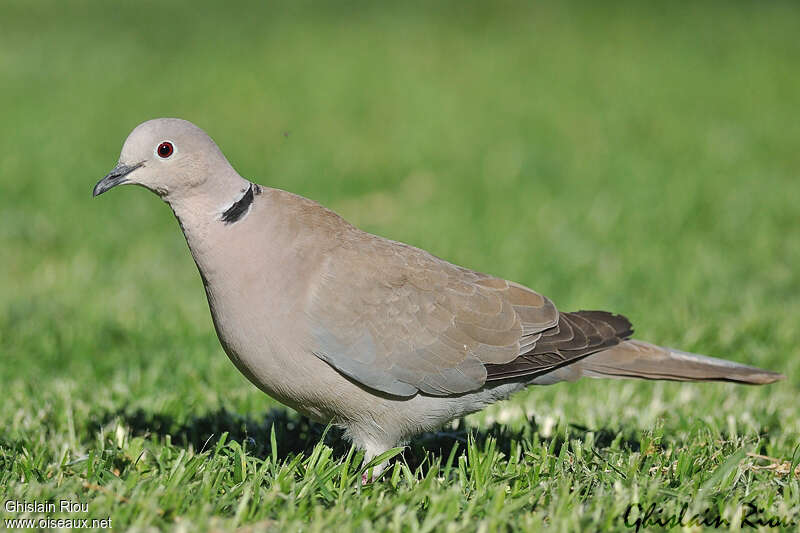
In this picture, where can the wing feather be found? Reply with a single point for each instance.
(406, 321)
(400, 320)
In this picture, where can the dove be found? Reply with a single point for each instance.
(375, 336)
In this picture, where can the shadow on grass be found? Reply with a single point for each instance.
(295, 434)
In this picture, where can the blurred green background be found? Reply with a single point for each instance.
(641, 158)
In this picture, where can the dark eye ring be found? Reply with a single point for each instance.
(165, 149)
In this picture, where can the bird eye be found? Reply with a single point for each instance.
(165, 149)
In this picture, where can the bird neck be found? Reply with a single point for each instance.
(221, 200)
(208, 215)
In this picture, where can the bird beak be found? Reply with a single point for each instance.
(117, 176)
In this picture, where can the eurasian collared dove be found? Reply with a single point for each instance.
(376, 336)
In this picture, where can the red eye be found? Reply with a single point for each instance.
(165, 149)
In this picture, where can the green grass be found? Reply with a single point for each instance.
(638, 159)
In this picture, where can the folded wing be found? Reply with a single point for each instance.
(400, 320)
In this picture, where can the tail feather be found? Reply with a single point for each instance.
(637, 359)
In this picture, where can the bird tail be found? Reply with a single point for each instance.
(637, 359)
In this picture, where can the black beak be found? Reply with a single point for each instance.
(116, 177)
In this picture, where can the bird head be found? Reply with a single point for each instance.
(171, 157)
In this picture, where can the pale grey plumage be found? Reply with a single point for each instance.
(381, 338)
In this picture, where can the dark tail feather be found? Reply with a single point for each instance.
(637, 359)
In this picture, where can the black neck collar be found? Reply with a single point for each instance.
(241, 206)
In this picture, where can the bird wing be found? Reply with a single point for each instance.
(575, 336)
(400, 320)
